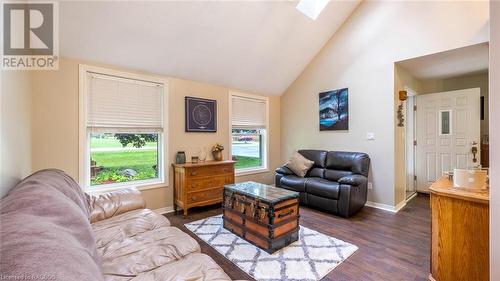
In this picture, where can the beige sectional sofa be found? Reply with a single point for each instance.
(69, 235)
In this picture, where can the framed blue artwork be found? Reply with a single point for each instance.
(334, 110)
(201, 115)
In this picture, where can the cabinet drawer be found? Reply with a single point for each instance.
(206, 195)
(210, 182)
(209, 170)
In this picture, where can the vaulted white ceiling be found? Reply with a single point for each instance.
(466, 60)
(258, 46)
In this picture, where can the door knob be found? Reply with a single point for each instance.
(474, 152)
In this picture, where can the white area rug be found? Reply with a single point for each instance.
(309, 258)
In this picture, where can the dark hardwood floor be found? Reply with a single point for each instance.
(391, 246)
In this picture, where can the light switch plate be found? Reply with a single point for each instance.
(370, 136)
(370, 185)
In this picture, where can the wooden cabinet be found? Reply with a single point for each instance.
(460, 233)
(201, 184)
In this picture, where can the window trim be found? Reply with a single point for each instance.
(84, 141)
(450, 121)
(265, 167)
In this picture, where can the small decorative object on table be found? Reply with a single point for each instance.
(194, 159)
(203, 155)
(180, 158)
(217, 152)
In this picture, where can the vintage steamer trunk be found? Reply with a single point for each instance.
(265, 216)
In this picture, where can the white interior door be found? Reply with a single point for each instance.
(448, 127)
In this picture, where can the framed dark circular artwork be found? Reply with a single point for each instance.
(201, 115)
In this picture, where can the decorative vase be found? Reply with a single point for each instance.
(217, 155)
(203, 155)
(180, 158)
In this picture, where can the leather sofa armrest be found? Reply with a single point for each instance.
(110, 204)
(284, 171)
(355, 180)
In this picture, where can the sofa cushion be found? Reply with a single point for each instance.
(141, 253)
(335, 175)
(316, 173)
(45, 230)
(322, 188)
(293, 183)
(355, 162)
(298, 164)
(318, 156)
(193, 267)
(127, 225)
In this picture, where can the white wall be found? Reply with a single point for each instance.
(495, 141)
(15, 128)
(361, 56)
(402, 81)
(55, 114)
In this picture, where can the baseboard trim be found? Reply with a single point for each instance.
(411, 197)
(164, 210)
(385, 207)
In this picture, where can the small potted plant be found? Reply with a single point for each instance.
(217, 151)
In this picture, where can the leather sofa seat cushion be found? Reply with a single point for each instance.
(335, 175)
(318, 156)
(141, 253)
(322, 188)
(294, 183)
(316, 173)
(127, 225)
(196, 267)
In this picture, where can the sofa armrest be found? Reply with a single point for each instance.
(355, 180)
(284, 171)
(110, 204)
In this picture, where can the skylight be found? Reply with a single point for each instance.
(312, 8)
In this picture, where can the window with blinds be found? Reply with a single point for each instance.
(248, 113)
(123, 105)
(124, 130)
(249, 129)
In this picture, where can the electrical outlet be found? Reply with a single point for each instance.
(370, 185)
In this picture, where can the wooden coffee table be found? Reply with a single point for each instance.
(266, 216)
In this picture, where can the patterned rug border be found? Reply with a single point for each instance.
(302, 229)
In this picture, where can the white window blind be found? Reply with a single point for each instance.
(123, 105)
(248, 113)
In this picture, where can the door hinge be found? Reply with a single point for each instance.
(414, 108)
(415, 177)
(414, 142)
